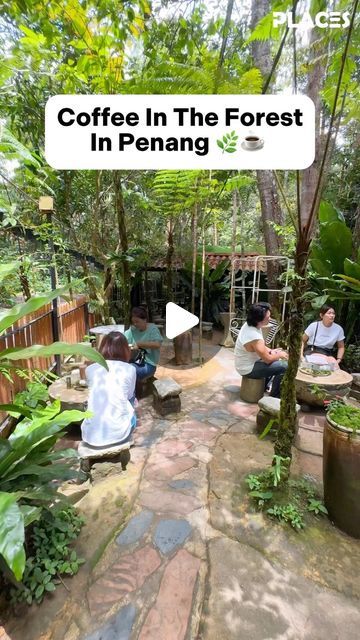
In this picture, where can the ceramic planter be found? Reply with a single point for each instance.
(341, 474)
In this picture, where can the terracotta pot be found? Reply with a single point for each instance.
(341, 474)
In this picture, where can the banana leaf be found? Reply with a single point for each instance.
(56, 348)
(12, 534)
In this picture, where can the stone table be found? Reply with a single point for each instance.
(338, 383)
(74, 398)
(103, 330)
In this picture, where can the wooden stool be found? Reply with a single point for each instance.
(252, 390)
(166, 396)
(88, 454)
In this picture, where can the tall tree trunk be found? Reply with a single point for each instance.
(202, 287)
(269, 198)
(233, 251)
(194, 254)
(310, 175)
(287, 421)
(122, 246)
(169, 260)
(311, 190)
(356, 233)
(215, 235)
(225, 33)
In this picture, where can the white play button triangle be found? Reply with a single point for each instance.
(178, 320)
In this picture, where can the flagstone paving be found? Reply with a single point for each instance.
(192, 562)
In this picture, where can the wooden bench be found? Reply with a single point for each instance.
(88, 454)
(166, 396)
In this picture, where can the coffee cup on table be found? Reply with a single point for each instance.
(252, 140)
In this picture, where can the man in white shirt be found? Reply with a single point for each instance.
(253, 359)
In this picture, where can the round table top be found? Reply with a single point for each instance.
(336, 377)
(75, 396)
(107, 328)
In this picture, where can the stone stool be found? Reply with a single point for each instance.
(252, 390)
(269, 410)
(166, 396)
(88, 454)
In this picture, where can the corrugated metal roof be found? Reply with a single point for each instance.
(243, 263)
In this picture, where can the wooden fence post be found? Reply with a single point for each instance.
(46, 206)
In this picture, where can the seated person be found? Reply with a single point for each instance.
(111, 395)
(253, 359)
(144, 335)
(325, 336)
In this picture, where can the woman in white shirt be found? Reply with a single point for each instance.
(253, 359)
(325, 336)
(111, 395)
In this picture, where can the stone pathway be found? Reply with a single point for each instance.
(153, 586)
(192, 562)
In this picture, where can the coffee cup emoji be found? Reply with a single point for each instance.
(253, 141)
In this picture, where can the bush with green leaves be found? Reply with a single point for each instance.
(30, 472)
(30, 468)
(351, 360)
(345, 415)
(50, 555)
(34, 394)
(287, 502)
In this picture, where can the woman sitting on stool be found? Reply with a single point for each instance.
(253, 359)
(144, 335)
(325, 336)
(111, 395)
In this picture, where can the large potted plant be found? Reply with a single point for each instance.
(341, 466)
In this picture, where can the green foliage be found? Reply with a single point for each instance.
(12, 534)
(317, 507)
(9, 316)
(12, 149)
(216, 287)
(278, 469)
(264, 29)
(253, 481)
(36, 393)
(29, 472)
(287, 502)
(267, 429)
(51, 556)
(351, 360)
(287, 513)
(336, 273)
(228, 142)
(345, 415)
(331, 250)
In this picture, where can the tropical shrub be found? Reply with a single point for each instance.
(351, 360)
(30, 471)
(335, 276)
(345, 415)
(50, 554)
(289, 502)
(216, 287)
